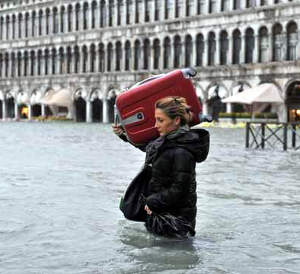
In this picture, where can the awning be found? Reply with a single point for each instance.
(62, 98)
(264, 93)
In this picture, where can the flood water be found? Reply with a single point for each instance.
(60, 186)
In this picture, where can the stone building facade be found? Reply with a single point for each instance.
(97, 48)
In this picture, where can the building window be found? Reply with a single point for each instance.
(129, 11)
(77, 17)
(69, 60)
(26, 24)
(13, 27)
(201, 7)
(249, 45)
(62, 19)
(119, 11)
(92, 58)
(102, 14)
(137, 54)
(70, 12)
(110, 13)
(292, 40)
(147, 11)
(146, 53)
(224, 45)
(55, 21)
(54, 60)
(177, 8)
(225, 5)
(236, 47)
(211, 48)
(47, 21)
(137, 10)
(167, 52)
(168, 8)
(109, 56)
(118, 56)
(263, 45)
(32, 62)
(277, 42)
(127, 55)
(188, 50)
(101, 58)
(76, 59)
(212, 6)
(199, 49)
(39, 62)
(236, 4)
(94, 11)
(177, 51)
(156, 55)
(85, 15)
(156, 10)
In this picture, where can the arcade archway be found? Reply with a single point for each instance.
(10, 107)
(80, 109)
(293, 101)
(97, 110)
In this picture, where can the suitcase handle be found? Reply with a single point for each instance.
(189, 72)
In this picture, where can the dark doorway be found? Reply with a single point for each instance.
(80, 108)
(1, 109)
(36, 110)
(11, 108)
(111, 109)
(97, 110)
(293, 102)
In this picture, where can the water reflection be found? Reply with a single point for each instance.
(60, 189)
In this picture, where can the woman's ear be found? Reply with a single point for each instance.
(177, 120)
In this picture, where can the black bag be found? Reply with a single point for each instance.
(165, 224)
(132, 204)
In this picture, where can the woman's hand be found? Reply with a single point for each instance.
(149, 212)
(117, 129)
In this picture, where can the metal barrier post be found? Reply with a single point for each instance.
(247, 134)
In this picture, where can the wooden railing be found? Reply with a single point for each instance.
(261, 135)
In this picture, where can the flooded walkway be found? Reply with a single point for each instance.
(59, 197)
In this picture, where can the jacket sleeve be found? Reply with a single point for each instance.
(182, 175)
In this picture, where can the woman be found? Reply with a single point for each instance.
(173, 157)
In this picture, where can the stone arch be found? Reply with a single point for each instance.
(79, 99)
(292, 40)
(156, 53)
(212, 48)
(167, 52)
(137, 54)
(236, 36)
(10, 104)
(177, 51)
(146, 53)
(188, 50)
(249, 45)
(118, 56)
(96, 99)
(127, 55)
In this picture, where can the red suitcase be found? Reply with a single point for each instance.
(135, 107)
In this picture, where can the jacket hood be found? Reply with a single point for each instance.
(195, 141)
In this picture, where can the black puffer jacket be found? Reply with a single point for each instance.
(173, 158)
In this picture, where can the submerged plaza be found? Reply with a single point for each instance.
(72, 58)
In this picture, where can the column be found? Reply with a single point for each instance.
(228, 107)
(88, 111)
(151, 63)
(162, 11)
(105, 111)
(17, 116)
(57, 63)
(183, 9)
(51, 22)
(284, 46)
(43, 110)
(151, 11)
(80, 21)
(270, 45)
(161, 56)
(218, 49)
(9, 65)
(90, 16)
(29, 111)
(35, 65)
(230, 48)
(88, 60)
(65, 21)
(142, 12)
(182, 54)
(50, 62)
(30, 24)
(171, 64)
(113, 58)
(298, 46)
(4, 29)
(134, 12)
(43, 23)
(194, 52)
(123, 13)
(256, 49)
(80, 70)
(73, 14)
(43, 63)
(205, 108)
(206, 7)
(3, 109)
(231, 5)
(206, 53)
(243, 53)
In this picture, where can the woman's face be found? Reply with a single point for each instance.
(164, 124)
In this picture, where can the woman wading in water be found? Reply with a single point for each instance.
(172, 158)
